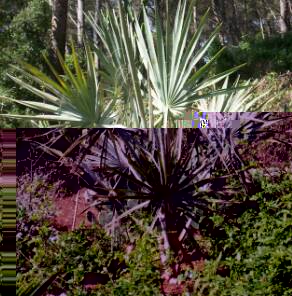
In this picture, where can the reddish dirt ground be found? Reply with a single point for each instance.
(65, 210)
(177, 288)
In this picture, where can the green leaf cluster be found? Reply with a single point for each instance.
(24, 36)
(262, 56)
(257, 251)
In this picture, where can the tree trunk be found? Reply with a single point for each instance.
(80, 22)
(95, 36)
(217, 11)
(173, 234)
(58, 35)
(284, 21)
(234, 29)
(96, 11)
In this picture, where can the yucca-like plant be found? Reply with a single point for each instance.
(237, 128)
(171, 177)
(241, 100)
(72, 100)
(118, 61)
(159, 65)
(172, 63)
(167, 169)
(169, 172)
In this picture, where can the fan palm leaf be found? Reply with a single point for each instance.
(73, 100)
(172, 60)
(241, 100)
(157, 67)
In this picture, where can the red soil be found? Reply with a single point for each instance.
(65, 211)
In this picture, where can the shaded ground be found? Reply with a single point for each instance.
(272, 154)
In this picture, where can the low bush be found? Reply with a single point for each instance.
(83, 260)
(26, 38)
(142, 275)
(255, 257)
(273, 54)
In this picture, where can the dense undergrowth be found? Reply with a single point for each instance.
(256, 251)
(248, 254)
(261, 55)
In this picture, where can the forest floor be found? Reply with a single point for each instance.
(68, 212)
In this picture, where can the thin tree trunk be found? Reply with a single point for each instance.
(95, 36)
(58, 34)
(284, 21)
(245, 17)
(218, 17)
(96, 11)
(173, 234)
(80, 22)
(233, 24)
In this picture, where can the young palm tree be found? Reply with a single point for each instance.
(73, 100)
(172, 167)
(157, 64)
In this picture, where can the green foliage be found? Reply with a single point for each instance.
(7, 12)
(53, 261)
(250, 255)
(160, 63)
(273, 54)
(24, 38)
(73, 99)
(27, 36)
(257, 251)
(142, 274)
(29, 30)
(281, 87)
(73, 254)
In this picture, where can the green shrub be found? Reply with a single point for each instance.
(43, 251)
(73, 254)
(142, 276)
(28, 35)
(257, 251)
(273, 54)
(26, 38)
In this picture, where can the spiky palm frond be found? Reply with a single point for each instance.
(74, 99)
(241, 100)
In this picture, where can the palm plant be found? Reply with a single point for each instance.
(171, 63)
(167, 169)
(237, 128)
(158, 68)
(167, 172)
(116, 33)
(241, 100)
(151, 74)
(73, 100)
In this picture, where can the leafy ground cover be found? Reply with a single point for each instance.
(251, 256)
